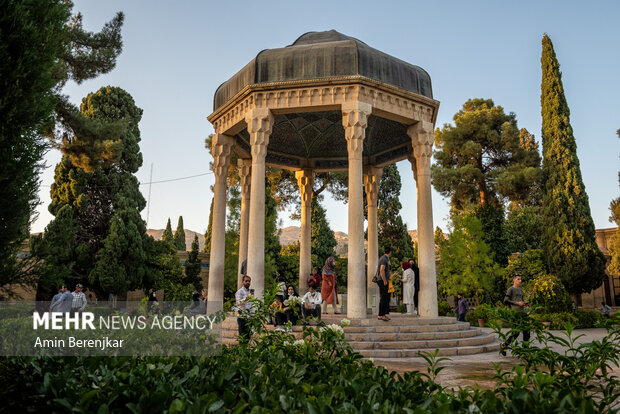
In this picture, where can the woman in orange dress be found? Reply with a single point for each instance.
(329, 290)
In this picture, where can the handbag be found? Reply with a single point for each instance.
(375, 278)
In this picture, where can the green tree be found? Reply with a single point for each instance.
(523, 229)
(193, 265)
(322, 236)
(466, 264)
(179, 235)
(493, 232)
(568, 237)
(39, 52)
(391, 229)
(272, 236)
(167, 234)
(110, 248)
(480, 159)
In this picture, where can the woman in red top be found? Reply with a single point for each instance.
(329, 290)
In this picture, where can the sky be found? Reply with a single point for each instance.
(176, 54)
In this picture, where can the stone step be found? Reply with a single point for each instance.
(411, 353)
(411, 336)
(432, 344)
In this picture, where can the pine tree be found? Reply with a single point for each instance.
(322, 236)
(392, 231)
(480, 159)
(192, 266)
(179, 236)
(167, 234)
(110, 248)
(41, 50)
(568, 238)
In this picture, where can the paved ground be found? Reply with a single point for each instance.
(478, 369)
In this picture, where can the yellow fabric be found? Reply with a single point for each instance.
(391, 287)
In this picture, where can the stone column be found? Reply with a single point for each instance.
(371, 184)
(354, 119)
(220, 149)
(245, 166)
(260, 122)
(305, 180)
(422, 138)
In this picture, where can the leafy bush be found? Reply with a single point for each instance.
(443, 307)
(587, 318)
(482, 311)
(548, 292)
(559, 319)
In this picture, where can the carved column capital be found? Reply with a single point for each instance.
(245, 168)
(305, 181)
(355, 119)
(260, 123)
(372, 177)
(221, 150)
(422, 139)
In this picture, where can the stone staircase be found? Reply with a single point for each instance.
(402, 337)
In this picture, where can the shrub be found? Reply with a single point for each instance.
(548, 292)
(443, 307)
(587, 318)
(482, 311)
(559, 319)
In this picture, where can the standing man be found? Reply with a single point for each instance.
(383, 281)
(65, 301)
(514, 298)
(244, 308)
(56, 299)
(79, 299)
(461, 307)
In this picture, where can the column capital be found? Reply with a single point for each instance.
(355, 119)
(305, 181)
(260, 123)
(372, 177)
(221, 147)
(422, 139)
(245, 167)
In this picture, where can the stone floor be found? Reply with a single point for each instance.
(470, 370)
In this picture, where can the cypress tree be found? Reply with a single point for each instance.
(167, 234)
(179, 236)
(207, 248)
(392, 231)
(568, 238)
(322, 236)
(192, 266)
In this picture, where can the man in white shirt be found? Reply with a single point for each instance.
(311, 304)
(244, 307)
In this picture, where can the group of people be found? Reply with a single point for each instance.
(410, 281)
(66, 301)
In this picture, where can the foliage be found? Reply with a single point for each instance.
(278, 372)
(466, 266)
(207, 248)
(492, 221)
(443, 307)
(391, 229)
(323, 240)
(193, 265)
(169, 272)
(529, 264)
(481, 160)
(31, 40)
(167, 234)
(342, 273)
(587, 318)
(547, 291)
(179, 236)
(483, 311)
(288, 262)
(568, 237)
(523, 229)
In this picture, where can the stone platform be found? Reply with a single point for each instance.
(402, 337)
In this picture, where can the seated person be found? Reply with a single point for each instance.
(311, 304)
(276, 309)
(291, 314)
(315, 279)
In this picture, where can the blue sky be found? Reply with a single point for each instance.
(176, 54)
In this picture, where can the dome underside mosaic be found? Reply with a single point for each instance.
(317, 138)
